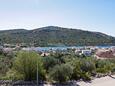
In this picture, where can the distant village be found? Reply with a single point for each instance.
(95, 51)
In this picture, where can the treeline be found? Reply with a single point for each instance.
(57, 67)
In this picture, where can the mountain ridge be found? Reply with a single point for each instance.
(54, 35)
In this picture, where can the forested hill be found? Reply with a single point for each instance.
(55, 36)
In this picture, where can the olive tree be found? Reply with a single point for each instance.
(61, 73)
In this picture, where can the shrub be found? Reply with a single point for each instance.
(61, 73)
(13, 75)
(104, 66)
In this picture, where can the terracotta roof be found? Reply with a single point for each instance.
(106, 54)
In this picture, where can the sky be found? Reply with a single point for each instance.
(91, 15)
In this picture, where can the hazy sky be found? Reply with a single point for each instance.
(93, 15)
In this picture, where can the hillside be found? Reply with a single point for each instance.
(55, 36)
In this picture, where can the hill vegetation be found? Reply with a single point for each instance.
(55, 36)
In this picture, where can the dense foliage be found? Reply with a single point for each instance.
(57, 67)
(6, 60)
(55, 36)
(26, 64)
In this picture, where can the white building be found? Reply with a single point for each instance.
(86, 52)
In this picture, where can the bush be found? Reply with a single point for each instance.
(104, 66)
(13, 75)
(61, 73)
(76, 69)
(88, 65)
(49, 62)
(83, 68)
(86, 76)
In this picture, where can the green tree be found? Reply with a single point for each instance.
(49, 62)
(26, 64)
